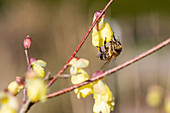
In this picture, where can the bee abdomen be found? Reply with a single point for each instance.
(103, 56)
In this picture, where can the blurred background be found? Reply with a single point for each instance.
(57, 26)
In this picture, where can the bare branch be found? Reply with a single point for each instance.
(28, 104)
(80, 44)
(139, 57)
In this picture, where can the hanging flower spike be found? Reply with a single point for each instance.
(101, 32)
(8, 103)
(103, 96)
(38, 67)
(79, 75)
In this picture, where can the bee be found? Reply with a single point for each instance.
(111, 51)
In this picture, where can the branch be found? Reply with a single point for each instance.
(79, 46)
(28, 104)
(113, 70)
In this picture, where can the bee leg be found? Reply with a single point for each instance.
(111, 44)
(105, 45)
(114, 38)
(116, 41)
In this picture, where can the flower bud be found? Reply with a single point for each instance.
(14, 88)
(38, 67)
(20, 81)
(27, 42)
(32, 60)
(97, 14)
(97, 73)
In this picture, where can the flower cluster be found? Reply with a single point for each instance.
(36, 87)
(101, 93)
(79, 75)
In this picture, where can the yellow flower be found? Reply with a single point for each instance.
(79, 76)
(7, 109)
(14, 88)
(8, 103)
(79, 62)
(154, 96)
(38, 67)
(36, 89)
(101, 32)
(103, 98)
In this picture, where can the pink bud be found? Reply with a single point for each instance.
(27, 42)
(97, 73)
(32, 60)
(20, 81)
(98, 13)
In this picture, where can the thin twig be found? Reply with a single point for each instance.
(28, 59)
(156, 48)
(27, 44)
(80, 44)
(29, 67)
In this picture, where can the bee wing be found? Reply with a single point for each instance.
(107, 62)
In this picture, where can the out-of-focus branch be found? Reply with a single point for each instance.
(80, 44)
(139, 57)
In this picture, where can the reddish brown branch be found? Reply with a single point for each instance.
(159, 46)
(28, 59)
(80, 44)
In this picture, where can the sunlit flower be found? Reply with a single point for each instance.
(8, 103)
(14, 88)
(36, 89)
(103, 98)
(101, 32)
(79, 76)
(154, 96)
(38, 67)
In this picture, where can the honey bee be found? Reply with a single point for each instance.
(111, 51)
